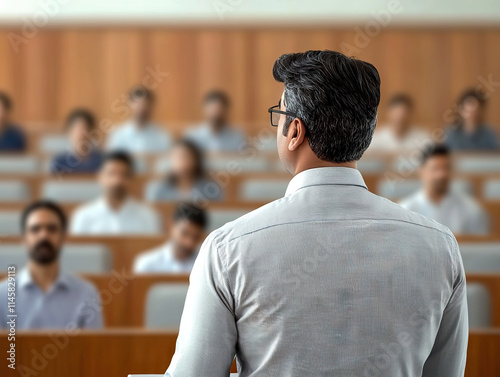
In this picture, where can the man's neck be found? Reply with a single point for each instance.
(115, 203)
(44, 275)
(323, 164)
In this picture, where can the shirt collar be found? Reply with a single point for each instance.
(25, 280)
(326, 176)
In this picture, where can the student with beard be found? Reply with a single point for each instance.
(46, 296)
(116, 211)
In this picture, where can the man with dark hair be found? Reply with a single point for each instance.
(439, 201)
(179, 253)
(12, 138)
(46, 297)
(139, 134)
(324, 280)
(470, 133)
(215, 134)
(399, 134)
(83, 155)
(116, 212)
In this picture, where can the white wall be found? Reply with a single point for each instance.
(250, 11)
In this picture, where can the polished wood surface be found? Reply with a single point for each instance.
(119, 352)
(61, 68)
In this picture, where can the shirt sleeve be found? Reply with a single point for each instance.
(77, 223)
(208, 335)
(448, 355)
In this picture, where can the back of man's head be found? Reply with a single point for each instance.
(335, 96)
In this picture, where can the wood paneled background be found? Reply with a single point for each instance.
(61, 68)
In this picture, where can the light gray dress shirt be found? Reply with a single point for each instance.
(70, 303)
(228, 139)
(330, 280)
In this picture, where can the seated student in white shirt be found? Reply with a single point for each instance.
(115, 212)
(47, 297)
(399, 134)
(139, 134)
(215, 134)
(179, 253)
(438, 201)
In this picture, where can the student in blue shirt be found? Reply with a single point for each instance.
(12, 138)
(46, 296)
(83, 155)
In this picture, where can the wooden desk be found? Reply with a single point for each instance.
(116, 353)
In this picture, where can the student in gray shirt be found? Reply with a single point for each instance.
(330, 280)
(46, 297)
(470, 133)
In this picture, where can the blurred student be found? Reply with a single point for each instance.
(46, 296)
(12, 137)
(115, 212)
(215, 134)
(399, 133)
(438, 201)
(178, 254)
(139, 134)
(83, 155)
(187, 179)
(470, 133)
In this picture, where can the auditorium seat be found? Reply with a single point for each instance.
(399, 189)
(481, 257)
(70, 191)
(75, 258)
(18, 164)
(14, 191)
(164, 305)
(219, 217)
(263, 189)
(10, 223)
(491, 189)
(371, 165)
(479, 305)
(236, 164)
(53, 144)
(478, 164)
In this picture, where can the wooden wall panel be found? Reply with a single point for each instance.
(61, 68)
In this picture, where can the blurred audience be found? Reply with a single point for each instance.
(215, 134)
(179, 253)
(399, 134)
(12, 138)
(439, 201)
(139, 134)
(115, 212)
(186, 179)
(46, 296)
(83, 155)
(470, 133)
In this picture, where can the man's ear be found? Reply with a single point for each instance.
(296, 134)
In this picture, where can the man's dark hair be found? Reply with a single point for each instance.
(472, 93)
(141, 92)
(43, 204)
(191, 213)
(120, 156)
(198, 157)
(433, 151)
(217, 96)
(82, 114)
(401, 99)
(6, 101)
(335, 96)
